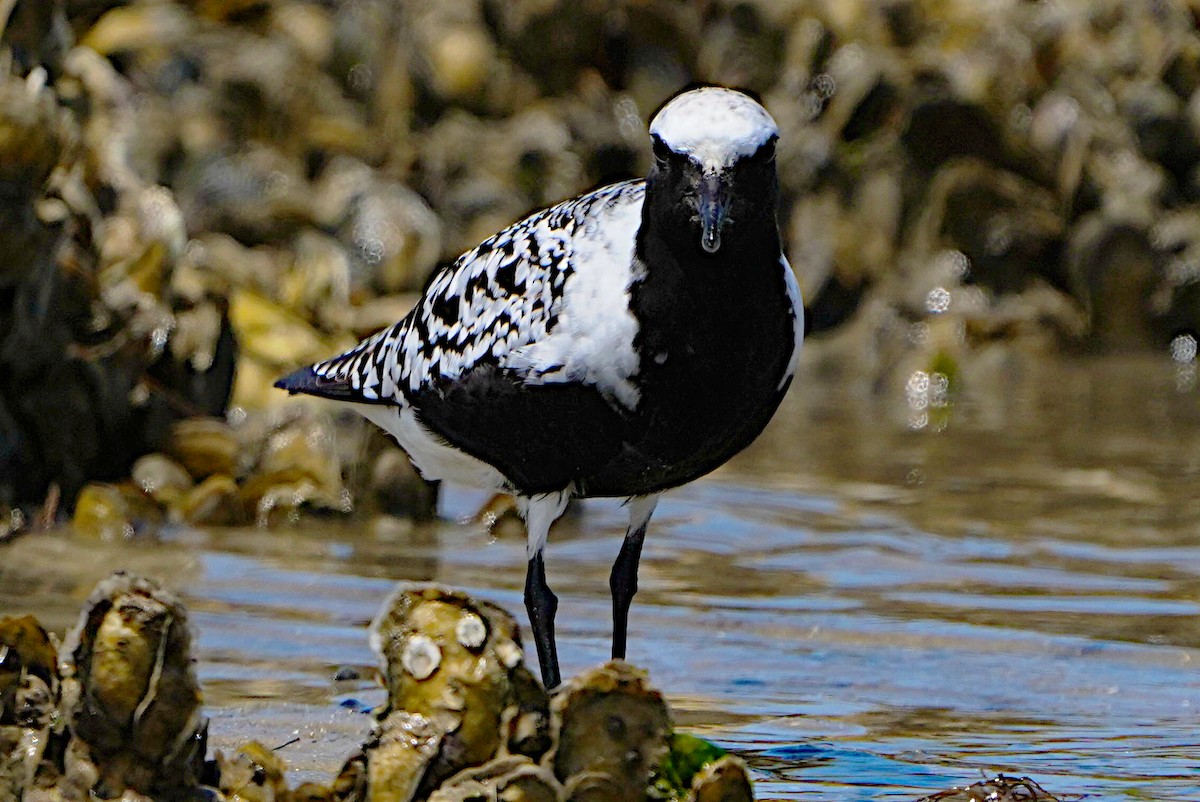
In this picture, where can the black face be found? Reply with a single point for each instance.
(714, 209)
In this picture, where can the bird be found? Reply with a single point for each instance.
(615, 345)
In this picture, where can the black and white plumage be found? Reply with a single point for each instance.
(617, 344)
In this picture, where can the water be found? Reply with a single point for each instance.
(861, 610)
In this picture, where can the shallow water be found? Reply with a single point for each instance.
(862, 610)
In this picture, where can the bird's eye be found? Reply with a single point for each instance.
(766, 153)
(661, 152)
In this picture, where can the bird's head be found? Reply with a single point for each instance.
(714, 162)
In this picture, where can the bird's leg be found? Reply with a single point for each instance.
(623, 580)
(540, 602)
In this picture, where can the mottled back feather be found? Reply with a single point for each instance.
(498, 304)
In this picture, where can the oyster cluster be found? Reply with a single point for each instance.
(100, 347)
(997, 789)
(466, 720)
(116, 714)
(130, 698)
(211, 473)
(267, 469)
(29, 688)
(966, 178)
(194, 186)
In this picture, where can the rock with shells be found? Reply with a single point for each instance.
(29, 688)
(511, 778)
(998, 789)
(253, 773)
(295, 448)
(130, 696)
(113, 512)
(611, 733)
(266, 469)
(457, 663)
(91, 316)
(724, 780)
(118, 715)
(204, 173)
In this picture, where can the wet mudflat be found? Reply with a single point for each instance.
(862, 609)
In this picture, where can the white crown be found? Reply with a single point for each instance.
(714, 126)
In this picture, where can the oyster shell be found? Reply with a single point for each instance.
(253, 774)
(138, 27)
(161, 477)
(512, 778)
(114, 512)
(276, 334)
(205, 446)
(130, 694)
(37, 34)
(395, 764)
(457, 661)
(217, 500)
(25, 650)
(393, 485)
(611, 729)
(1114, 270)
(400, 762)
(527, 784)
(311, 792)
(393, 236)
(29, 688)
(724, 780)
(595, 786)
(997, 789)
(296, 453)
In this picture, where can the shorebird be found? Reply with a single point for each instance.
(617, 344)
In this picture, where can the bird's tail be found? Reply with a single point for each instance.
(360, 375)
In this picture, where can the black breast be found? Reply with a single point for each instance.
(715, 338)
(540, 437)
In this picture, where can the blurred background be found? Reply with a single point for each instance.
(200, 196)
(967, 542)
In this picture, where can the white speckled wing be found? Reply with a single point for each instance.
(592, 341)
(547, 298)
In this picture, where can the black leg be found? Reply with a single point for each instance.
(541, 603)
(623, 582)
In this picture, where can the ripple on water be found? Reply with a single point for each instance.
(864, 612)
